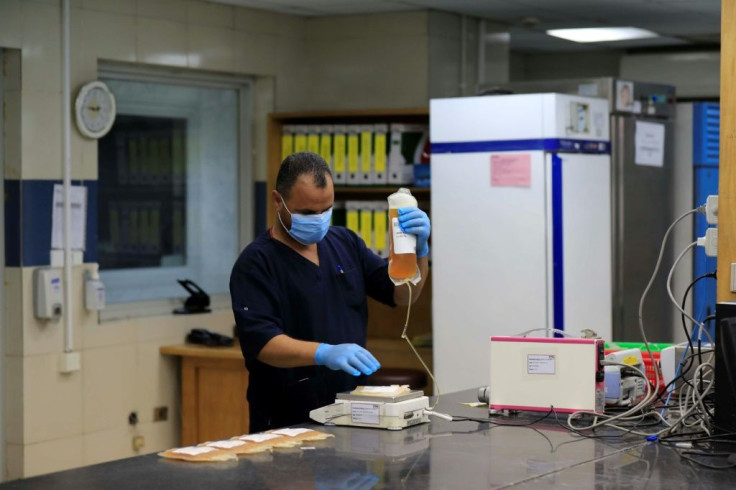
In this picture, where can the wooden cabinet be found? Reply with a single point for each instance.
(213, 386)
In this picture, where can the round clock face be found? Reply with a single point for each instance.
(95, 109)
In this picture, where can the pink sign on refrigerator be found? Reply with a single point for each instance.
(511, 170)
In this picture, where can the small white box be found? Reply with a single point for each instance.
(532, 373)
(49, 294)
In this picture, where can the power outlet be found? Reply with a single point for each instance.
(160, 414)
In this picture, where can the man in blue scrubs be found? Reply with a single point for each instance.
(299, 298)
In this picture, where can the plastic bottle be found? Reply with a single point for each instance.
(402, 258)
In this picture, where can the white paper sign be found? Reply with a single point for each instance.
(79, 217)
(649, 144)
(365, 413)
(540, 364)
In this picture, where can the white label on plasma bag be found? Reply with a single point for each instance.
(291, 432)
(404, 243)
(226, 444)
(365, 413)
(259, 437)
(195, 451)
(540, 364)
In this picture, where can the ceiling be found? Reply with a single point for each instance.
(685, 23)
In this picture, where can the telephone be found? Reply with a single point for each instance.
(209, 338)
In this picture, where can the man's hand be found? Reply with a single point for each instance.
(415, 221)
(351, 358)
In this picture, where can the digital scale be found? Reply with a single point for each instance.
(392, 412)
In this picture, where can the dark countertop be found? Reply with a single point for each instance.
(439, 455)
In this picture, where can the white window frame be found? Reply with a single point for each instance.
(246, 203)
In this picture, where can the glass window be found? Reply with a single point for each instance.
(169, 185)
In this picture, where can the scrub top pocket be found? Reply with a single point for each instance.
(350, 283)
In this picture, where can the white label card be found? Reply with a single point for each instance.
(194, 451)
(365, 413)
(540, 364)
(291, 432)
(259, 437)
(226, 444)
(404, 243)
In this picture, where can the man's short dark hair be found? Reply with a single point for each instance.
(297, 164)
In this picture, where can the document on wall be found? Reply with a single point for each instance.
(649, 144)
(78, 217)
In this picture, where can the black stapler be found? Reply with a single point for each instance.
(209, 338)
(197, 302)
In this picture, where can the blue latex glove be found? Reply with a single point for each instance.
(415, 221)
(351, 358)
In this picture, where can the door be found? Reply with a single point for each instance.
(489, 260)
(579, 210)
(641, 215)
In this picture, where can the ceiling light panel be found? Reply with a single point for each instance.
(601, 34)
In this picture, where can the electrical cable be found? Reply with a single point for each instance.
(657, 371)
(405, 337)
(708, 465)
(684, 300)
(554, 330)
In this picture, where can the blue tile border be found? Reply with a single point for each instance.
(28, 208)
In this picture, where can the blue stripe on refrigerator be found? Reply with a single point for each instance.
(558, 283)
(546, 144)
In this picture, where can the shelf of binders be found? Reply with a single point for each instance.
(371, 152)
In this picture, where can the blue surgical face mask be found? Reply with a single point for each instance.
(307, 228)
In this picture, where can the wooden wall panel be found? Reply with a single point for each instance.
(727, 175)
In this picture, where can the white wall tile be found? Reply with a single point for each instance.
(263, 22)
(41, 135)
(108, 334)
(10, 28)
(161, 42)
(263, 104)
(84, 155)
(255, 54)
(157, 380)
(13, 461)
(52, 402)
(110, 444)
(109, 386)
(13, 399)
(13, 320)
(113, 6)
(175, 10)
(160, 435)
(104, 35)
(368, 26)
(41, 47)
(444, 24)
(211, 48)
(211, 14)
(177, 326)
(382, 72)
(13, 133)
(12, 67)
(56, 455)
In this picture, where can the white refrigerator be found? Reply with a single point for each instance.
(521, 224)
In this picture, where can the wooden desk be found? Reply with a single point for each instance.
(214, 382)
(213, 386)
